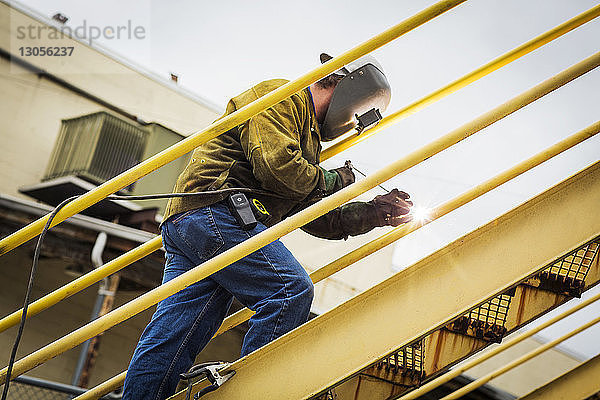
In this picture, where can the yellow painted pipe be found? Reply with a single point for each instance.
(105, 387)
(226, 123)
(485, 379)
(467, 79)
(301, 218)
(447, 377)
(83, 282)
(399, 232)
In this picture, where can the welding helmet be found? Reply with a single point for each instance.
(358, 99)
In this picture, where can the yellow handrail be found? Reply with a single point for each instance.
(249, 246)
(397, 233)
(83, 282)
(226, 123)
(483, 380)
(472, 76)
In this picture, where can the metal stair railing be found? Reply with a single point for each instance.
(147, 248)
(286, 226)
(340, 197)
(580, 383)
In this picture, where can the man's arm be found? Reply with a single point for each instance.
(348, 220)
(391, 209)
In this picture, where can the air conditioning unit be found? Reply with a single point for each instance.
(96, 148)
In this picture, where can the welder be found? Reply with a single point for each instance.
(273, 159)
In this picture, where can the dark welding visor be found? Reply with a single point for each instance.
(357, 101)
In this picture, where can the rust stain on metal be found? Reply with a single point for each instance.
(357, 391)
(521, 308)
(438, 349)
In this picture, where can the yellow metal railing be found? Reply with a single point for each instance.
(312, 212)
(243, 249)
(155, 244)
(225, 123)
(465, 80)
(83, 282)
(485, 379)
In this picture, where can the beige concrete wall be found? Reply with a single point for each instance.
(109, 79)
(30, 114)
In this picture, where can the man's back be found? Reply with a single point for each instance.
(242, 156)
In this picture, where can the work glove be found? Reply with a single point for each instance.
(345, 173)
(338, 178)
(392, 208)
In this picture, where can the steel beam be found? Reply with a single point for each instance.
(579, 383)
(427, 295)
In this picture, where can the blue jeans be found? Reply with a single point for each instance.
(269, 281)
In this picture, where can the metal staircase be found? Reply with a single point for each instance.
(568, 277)
(417, 324)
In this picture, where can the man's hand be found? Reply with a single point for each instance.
(345, 173)
(338, 178)
(392, 208)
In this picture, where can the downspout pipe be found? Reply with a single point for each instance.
(97, 251)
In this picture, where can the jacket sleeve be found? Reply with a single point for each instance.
(271, 142)
(348, 220)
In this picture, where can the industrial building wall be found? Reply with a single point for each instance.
(30, 116)
(109, 78)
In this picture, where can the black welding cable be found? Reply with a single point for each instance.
(195, 194)
(36, 256)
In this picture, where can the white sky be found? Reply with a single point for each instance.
(219, 49)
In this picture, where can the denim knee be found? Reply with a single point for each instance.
(303, 290)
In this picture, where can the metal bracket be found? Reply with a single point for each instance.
(210, 370)
(371, 117)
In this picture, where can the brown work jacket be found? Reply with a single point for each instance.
(275, 152)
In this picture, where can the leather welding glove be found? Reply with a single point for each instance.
(392, 208)
(338, 178)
